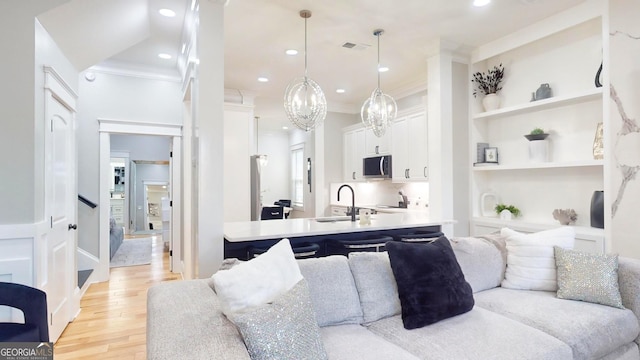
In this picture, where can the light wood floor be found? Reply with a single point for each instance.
(112, 322)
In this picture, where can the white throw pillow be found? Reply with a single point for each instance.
(531, 264)
(258, 281)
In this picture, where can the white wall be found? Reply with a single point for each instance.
(275, 179)
(142, 147)
(237, 175)
(333, 154)
(22, 172)
(460, 139)
(120, 98)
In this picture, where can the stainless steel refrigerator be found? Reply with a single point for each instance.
(257, 163)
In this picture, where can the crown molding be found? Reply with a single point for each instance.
(120, 68)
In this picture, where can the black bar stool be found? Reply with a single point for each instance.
(419, 236)
(300, 251)
(371, 243)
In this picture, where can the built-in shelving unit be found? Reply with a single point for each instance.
(556, 101)
(567, 59)
(547, 165)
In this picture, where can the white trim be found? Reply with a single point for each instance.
(176, 200)
(13, 231)
(120, 69)
(140, 128)
(576, 15)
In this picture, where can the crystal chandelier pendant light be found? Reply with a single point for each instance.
(380, 109)
(304, 101)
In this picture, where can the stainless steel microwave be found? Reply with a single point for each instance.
(377, 167)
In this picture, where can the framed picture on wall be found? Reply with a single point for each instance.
(491, 155)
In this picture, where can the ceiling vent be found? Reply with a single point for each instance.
(350, 45)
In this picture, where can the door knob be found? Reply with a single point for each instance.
(72, 226)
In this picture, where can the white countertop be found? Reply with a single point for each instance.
(272, 229)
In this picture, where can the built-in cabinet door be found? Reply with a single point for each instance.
(418, 149)
(377, 145)
(400, 150)
(353, 153)
(409, 148)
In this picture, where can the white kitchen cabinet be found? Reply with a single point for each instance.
(410, 159)
(566, 58)
(353, 153)
(377, 145)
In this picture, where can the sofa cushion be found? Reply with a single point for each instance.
(477, 334)
(431, 285)
(259, 280)
(355, 342)
(591, 330)
(588, 277)
(376, 285)
(283, 329)
(193, 309)
(333, 290)
(531, 263)
(481, 261)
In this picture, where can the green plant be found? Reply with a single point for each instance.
(537, 131)
(512, 209)
(488, 83)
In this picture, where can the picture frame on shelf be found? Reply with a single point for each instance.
(491, 155)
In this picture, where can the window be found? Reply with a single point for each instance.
(297, 175)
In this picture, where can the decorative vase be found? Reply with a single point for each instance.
(506, 215)
(597, 209)
(491, 102)
(539, 150)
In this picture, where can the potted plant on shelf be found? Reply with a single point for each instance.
(538, 145)
(507, 212)
(488, 85)
(536, 134)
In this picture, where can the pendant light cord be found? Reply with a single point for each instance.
(378, 36)
(305, 48)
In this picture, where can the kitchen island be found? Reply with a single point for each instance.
(243, 235)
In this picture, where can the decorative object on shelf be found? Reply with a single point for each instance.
(565, 216)
(538, 145)
(491, 155)
(480, 152)
(543, 92)
(304, 101)
(598, 73)
(489, 84)
(488, 202)
(380, 109)
(597, 209)
(536, 134)
(507, 212)
(598, 145)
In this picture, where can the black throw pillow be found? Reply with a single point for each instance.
(431, 285)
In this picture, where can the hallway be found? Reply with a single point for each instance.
(112, 320)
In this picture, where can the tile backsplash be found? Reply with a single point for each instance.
(383, 192)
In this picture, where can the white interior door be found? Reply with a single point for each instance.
(62, 211)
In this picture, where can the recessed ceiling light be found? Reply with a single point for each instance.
(383, 69)
(291, 52)
(167, 12)
(164, 56)
(480, 3)
(285, 128)
(340, 91)
(263, 79)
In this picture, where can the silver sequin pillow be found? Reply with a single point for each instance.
(588, 277)
(283, 329)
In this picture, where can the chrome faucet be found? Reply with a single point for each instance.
(353, 201)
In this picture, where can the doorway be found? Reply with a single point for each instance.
(109, 128)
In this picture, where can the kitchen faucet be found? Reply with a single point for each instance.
(353, 201)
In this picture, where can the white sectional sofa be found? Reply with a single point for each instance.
(357, 308)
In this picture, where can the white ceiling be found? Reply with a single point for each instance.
(257, 33)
